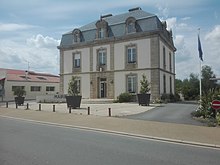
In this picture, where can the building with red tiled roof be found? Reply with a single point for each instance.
(33, 83)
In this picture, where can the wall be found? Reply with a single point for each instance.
(29, 94)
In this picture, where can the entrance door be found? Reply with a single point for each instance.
(103, 88)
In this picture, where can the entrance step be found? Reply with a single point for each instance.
(97, 101)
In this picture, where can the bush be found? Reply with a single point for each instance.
(218, 118)
(198, 113)
(125, 97)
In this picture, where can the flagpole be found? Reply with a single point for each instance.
(200, 77)
(200, 84)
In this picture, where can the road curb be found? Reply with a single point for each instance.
(161, 139)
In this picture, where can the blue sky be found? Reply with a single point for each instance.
(30, 31)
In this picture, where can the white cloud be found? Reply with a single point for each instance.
(40, 41)
(41, 53)
(214, 35)
(171, 23)
(164, 11)
(179, 41)
(211, 49)
(14, 27)
(183, 53)
(186, 18)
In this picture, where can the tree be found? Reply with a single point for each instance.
(208, 85)
(178, 85)
(145, 85)
(190, 87)
(73, 86)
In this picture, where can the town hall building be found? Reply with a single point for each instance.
(110, 55)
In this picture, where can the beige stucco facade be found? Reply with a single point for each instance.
(116, 71)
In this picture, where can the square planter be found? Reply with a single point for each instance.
(143, 99)
(19, 100)
(73, 101)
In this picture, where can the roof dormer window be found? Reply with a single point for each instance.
(76, 35)
(131, 25)
(101, 33)
(102, 29)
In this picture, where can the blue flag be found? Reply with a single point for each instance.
(200, 49)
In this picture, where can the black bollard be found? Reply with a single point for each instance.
(109, 112)
(69, 109)
(53, 108)
(88, 110)
(39, 107)
(16, 106)
(6, 104)
(27, 106)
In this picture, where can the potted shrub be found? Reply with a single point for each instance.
(144, 95)
(19, 93)
(73, 99)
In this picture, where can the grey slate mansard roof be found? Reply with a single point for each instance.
(117, 27)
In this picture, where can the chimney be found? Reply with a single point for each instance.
(134, 9)
(26, 75)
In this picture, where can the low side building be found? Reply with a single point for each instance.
(33, 83)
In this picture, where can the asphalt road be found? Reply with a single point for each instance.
(27, 143)
(170, 113)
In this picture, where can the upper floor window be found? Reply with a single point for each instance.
(164, 58)
(170, 59)
(102, 57)
(131, 54)
(76, 60)
(131, 25)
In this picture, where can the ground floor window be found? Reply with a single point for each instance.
(50, 88)
(132, 83)
(78, 85)
(35, 88)
(164, 84)
(17, 87)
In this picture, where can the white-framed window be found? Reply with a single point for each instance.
(35, 88)
(131, 27)
(102, 57)
(101, 33)
(76, 61)
(76, 35)
(131, 83)
(50, 88)
(171, 91)
(17, 87)
(164, 58)
(78, 85)
(170, 59)
(164, 84)
(131, 54)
